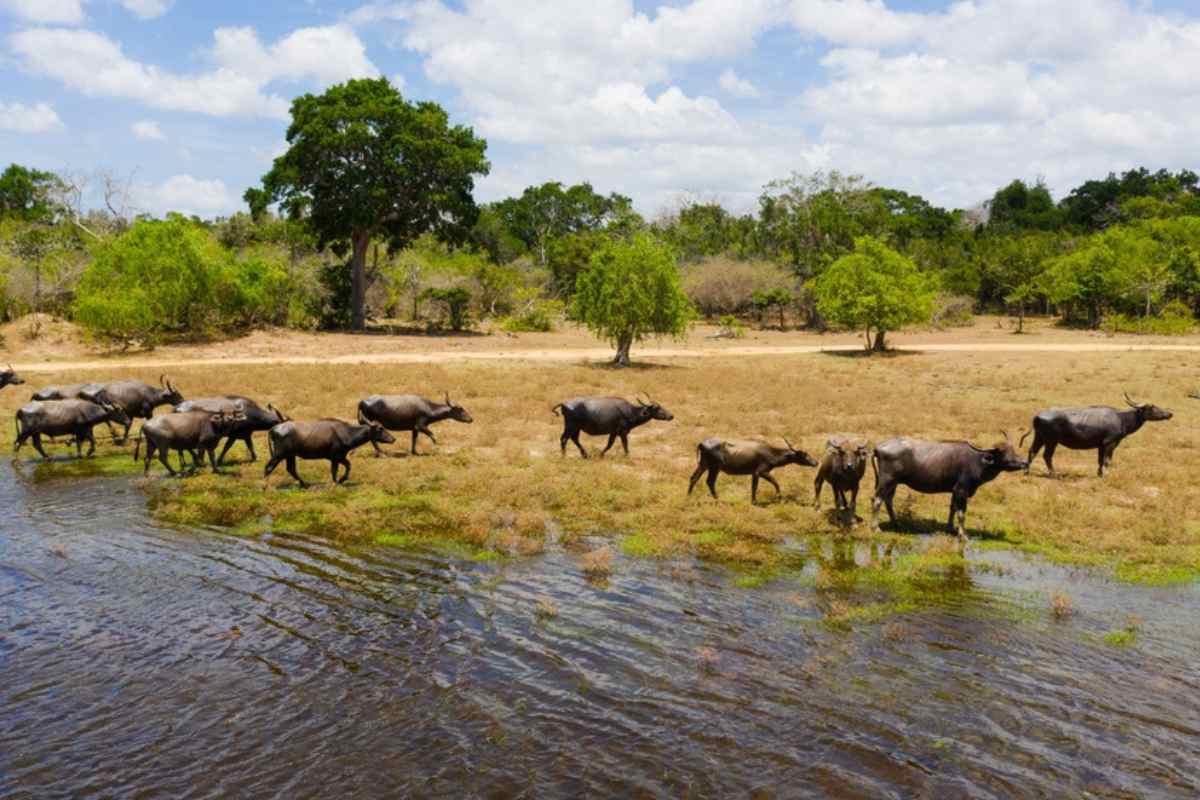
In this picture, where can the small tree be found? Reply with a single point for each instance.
(630, 291)
(875, 289)
(778, 299)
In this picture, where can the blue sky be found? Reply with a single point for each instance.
(704, 99)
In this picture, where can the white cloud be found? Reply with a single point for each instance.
(28, 119)
(147, 130)
(738, 87)
(147, 9)
(56, 12)
(95, 65)
(187, 195)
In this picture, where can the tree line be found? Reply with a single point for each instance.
(370, 214)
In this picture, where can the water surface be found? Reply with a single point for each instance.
(137, 660)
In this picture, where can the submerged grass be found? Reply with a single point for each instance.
(497, 486)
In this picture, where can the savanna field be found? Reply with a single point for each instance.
(499, 487)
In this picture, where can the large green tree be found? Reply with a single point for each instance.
(874, 289)
(363, 162)
(544, 213)
(630, 291)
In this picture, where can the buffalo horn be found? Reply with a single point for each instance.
(1131, 403)
(789, 444)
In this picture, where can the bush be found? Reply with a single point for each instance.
(456, 304)
(719, 286)
(171, 279)
(537, 316)
(732, 327)
(1175, 320)
(953, 311)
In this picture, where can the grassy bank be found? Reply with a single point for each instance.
(500, 486)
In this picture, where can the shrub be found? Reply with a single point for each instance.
(456, 302)
(953, 311)
(732, 327)
(719, 286)
(1175, 320)
(537, 316)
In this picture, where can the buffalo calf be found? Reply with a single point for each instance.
(843, 466)
(744, 457)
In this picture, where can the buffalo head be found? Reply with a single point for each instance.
(1003, 456)
(171, 395)
(380, 434)
(800, 457)
(1148, 411)
(9, 377)
(652, 410)
(457, 412)
(848, 455)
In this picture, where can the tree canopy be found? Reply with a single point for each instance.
(362, 162)
(630, 291)
(874, 289)
(549, 211)
(27, 194)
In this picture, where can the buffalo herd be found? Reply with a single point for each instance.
(197, 427)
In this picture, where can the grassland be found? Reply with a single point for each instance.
(499, 486)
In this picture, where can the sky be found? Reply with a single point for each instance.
(665, 102)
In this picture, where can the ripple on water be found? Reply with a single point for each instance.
(184, 663)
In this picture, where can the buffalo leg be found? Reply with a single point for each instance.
(1033, 451)
(1048, 456)
(37, 445)
(414, 442)
(575, 439)
(333, 467)
(164, 457)
(695, 477)
(346, 474)
(270, 467)
(149, 457)
(249, 440)
(291, 468)
(818, 483)
(883, 496)
(79, 446)
(958, 513)
(854, 503)
(612, 437)
(713, 472)
(225, 451)
(766, 476)
(425, 430)
(212, 459)
(625, 442)
(91, 436)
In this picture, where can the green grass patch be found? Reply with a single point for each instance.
(1126, 637)
(106, 465)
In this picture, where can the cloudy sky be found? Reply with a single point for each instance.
(709, 98)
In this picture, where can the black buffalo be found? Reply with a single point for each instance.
(326, 439)
(605, 416)
(250, 418)
(138, 400)
(1099, 428)
(843, 466)
(192, 432)
(744, 457)
(64, 418)
(409, 412)
(959, 468)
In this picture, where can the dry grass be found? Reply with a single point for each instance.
(496, 485)
(597, 563)
(1061, 606)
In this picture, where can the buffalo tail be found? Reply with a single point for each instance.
(1026, 433)
(362, 418)
(875, 467)
(555, 409)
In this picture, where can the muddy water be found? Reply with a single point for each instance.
(142, 661)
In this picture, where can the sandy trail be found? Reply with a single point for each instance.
(579, 354)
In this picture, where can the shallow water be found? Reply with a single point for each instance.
(137, 660)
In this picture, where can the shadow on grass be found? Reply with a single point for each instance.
(408, 330)
(886, 354)
(636, 366)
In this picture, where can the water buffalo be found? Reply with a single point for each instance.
(744, 457)
(326, 439)
(843, 465)
(1099, 428)
(9, 377)
(64, 418)
(935, 467)
(138, 400)
(252, 418)
(192, 432)
(611, 416)
(408, 412)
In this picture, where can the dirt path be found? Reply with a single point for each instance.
(579, 354)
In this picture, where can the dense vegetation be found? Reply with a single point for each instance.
(387, 244)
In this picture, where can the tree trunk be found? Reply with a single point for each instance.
(782, 310)
(621, 359)
(1021, 317)
(358, 280)
(880, 346)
